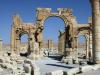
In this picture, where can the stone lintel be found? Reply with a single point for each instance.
(64, 9)
(39, 9)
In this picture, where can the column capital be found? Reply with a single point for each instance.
(97, 0)
(94, 1)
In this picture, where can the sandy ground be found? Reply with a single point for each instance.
(49, 65)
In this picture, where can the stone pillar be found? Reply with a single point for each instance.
(96, 30)
(90, 48)
(61, 42)
(12, 41)
(75, 47)
(65, 41)
(87, 47)
(76, 43)
(0, 45)
(18, 46)
(50, 44)
(31, 41)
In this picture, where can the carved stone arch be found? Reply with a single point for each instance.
(85, 32)
(22, 33)
(85, 35)
(63, 13)
(82, 32)
(18, 29)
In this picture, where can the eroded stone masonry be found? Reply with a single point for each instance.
(67, 42)
(67, 39)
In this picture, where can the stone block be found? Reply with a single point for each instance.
(1, 69)
(57, 72)
(87, 68)
(27, 68)
(35, 69)
(31, 68)
(1, 60)
(96, 67)
(73, 71)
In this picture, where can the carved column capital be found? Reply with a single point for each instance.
(96, 0)
(91, 1)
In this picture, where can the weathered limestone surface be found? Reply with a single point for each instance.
(61, 42)
(18, 29)
(96, 29)
(58, 72)
(67, 42)
(31, 68)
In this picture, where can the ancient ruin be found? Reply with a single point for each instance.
(67, 39)
(18, 29)
(13, 62)
(35, 31)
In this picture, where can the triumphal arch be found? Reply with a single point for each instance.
(67, 40)
(72, 29)
(70, 23)
(18, 29)
(35, 31)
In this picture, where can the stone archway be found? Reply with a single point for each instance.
(86, 31)
(66, 15)
(27, 50)
(52, 26)
(83, 45)
(18, 29)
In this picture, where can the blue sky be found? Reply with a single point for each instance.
(27, 10)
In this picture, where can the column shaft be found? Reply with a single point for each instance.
(96, 30)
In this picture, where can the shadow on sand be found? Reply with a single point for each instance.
(58, 57)
(69, 67)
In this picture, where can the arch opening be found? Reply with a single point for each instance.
(82, 46)
(24, 43)
(53, 26)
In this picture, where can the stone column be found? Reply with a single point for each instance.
(65, 43)
(31, 42)
(0, 45)
(75, 50)
(96, 30)
(76, 43)
(13, 42)
(50, 44)
(87, 47)
(90, 48)
(18, 46)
